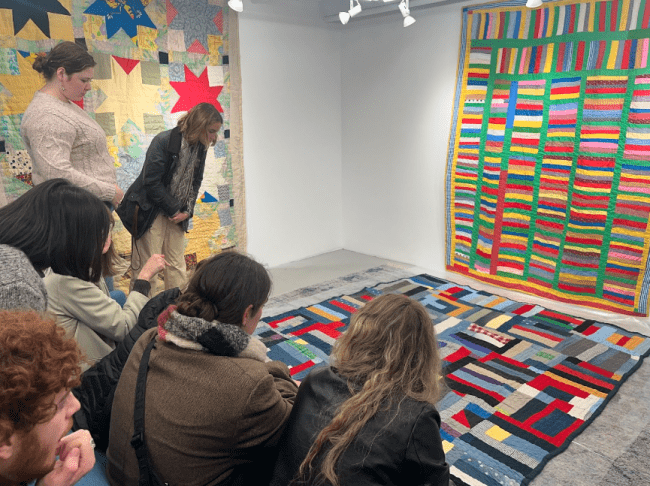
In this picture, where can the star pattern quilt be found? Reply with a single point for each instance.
(547, 177)
(155, 60)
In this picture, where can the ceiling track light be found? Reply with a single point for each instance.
(406, 12)
(344, 17)
(236, 5)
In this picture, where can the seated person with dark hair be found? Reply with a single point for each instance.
(38, 367)
(213, 405)
(40, 230)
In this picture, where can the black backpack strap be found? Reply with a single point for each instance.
(148, 476)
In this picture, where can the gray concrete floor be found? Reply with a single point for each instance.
(321, 268)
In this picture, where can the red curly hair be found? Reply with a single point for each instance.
(36, 362)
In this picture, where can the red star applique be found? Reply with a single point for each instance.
(194, 91)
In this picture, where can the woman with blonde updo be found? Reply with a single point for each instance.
(62, 140)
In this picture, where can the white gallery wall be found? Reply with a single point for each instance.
(397, 98)
(291, 108)
(345, 133)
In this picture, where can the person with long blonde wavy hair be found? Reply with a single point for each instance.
(369, 418)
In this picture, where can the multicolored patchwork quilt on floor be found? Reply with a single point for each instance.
(155, 60)
(522, 381)
(549, 163)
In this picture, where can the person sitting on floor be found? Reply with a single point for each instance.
(27, 225)
(213, 404)
(68, 229)
(369, 418)
(38, 366)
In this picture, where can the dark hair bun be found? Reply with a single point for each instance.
(40, 64)
(68, 55)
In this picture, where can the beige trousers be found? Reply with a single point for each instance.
(163, 237)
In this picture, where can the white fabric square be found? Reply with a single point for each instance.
(215, 75)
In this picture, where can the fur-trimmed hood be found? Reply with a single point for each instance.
(212, 337)
(195, 333)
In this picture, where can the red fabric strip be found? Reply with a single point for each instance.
(602, 45)
(274, 324)
(560, 56)
(539, 333)
(345, 307)
(580, 55)
(460, 354)
(566, 90)
(298, 368)
(498, 222)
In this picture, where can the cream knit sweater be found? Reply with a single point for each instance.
(63, 141)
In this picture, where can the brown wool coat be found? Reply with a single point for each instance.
(207, 417)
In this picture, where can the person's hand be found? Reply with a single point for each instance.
(76, 458)
(154, 265)
(117, 198)
(178, 217)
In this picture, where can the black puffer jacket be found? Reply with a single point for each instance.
(99, 382)
(399, 447)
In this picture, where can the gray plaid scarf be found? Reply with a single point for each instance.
(183, 178)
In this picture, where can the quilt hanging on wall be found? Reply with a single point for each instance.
(548, 174)
(155, 60)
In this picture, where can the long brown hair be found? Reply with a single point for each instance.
(389, 352)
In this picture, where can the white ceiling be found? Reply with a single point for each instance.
(326, 11)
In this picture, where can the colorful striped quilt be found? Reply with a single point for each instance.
(548, 175)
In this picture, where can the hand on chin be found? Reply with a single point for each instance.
(76, 458)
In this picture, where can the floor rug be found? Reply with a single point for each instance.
(522, 381)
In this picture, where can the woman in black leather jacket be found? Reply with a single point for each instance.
(159, 204)
(369, 418)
